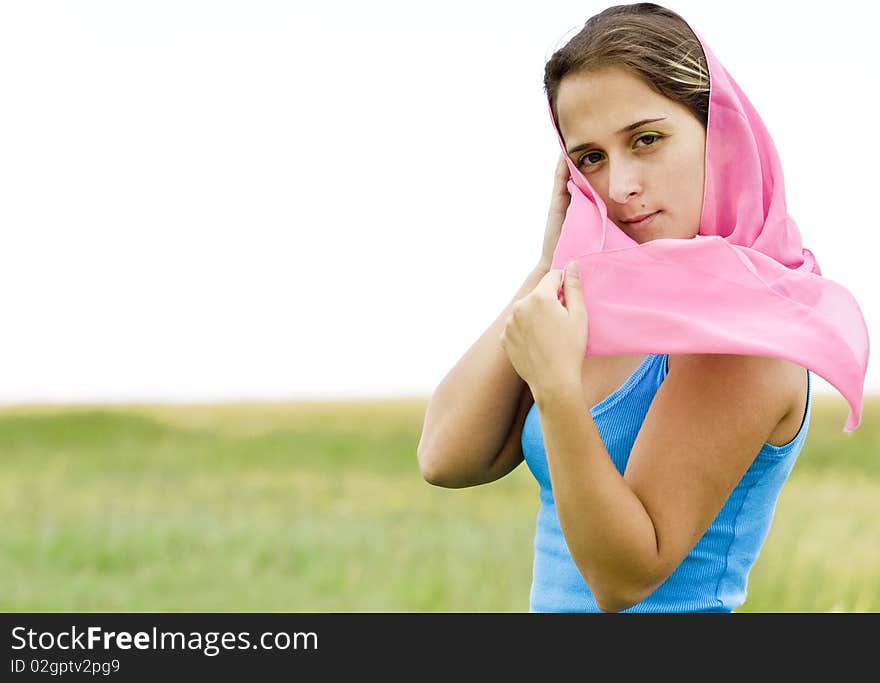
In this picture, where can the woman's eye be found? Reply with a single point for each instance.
(587, 156)
(651, 137)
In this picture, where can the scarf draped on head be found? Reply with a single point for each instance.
(743, 285)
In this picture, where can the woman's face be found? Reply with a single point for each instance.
(637, 170)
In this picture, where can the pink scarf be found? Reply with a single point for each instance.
(743, 285)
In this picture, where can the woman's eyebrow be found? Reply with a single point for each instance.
(625, 129)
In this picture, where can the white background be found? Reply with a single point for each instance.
(277, 200)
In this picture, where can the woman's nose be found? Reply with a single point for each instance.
(623, 182)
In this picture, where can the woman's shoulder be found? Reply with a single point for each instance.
(785, 383)
(740, 362)
(780, 370)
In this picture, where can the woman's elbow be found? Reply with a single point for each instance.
(610, 605)
(623, 597)
(432, 477)
(427, 468)
(431, 471)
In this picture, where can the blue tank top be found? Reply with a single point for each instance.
(713, 576)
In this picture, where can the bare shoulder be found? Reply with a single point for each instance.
(777, 367)
(778, 384)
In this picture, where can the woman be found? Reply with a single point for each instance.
(658, 472)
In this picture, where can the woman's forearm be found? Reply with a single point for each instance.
(607, 529)
(470, 413)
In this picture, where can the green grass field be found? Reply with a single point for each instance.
(320, 507)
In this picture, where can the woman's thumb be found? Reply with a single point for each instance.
(572, 283)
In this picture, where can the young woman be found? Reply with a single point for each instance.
(658, 473)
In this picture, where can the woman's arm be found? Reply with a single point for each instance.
(707, 422)
(474, 409)
(473, 423)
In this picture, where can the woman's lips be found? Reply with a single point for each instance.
(642, 223)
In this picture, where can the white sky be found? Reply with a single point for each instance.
(277, 200)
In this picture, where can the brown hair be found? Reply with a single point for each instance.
(650, 41)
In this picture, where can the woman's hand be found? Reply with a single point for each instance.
(559, 202)
(545, 338)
